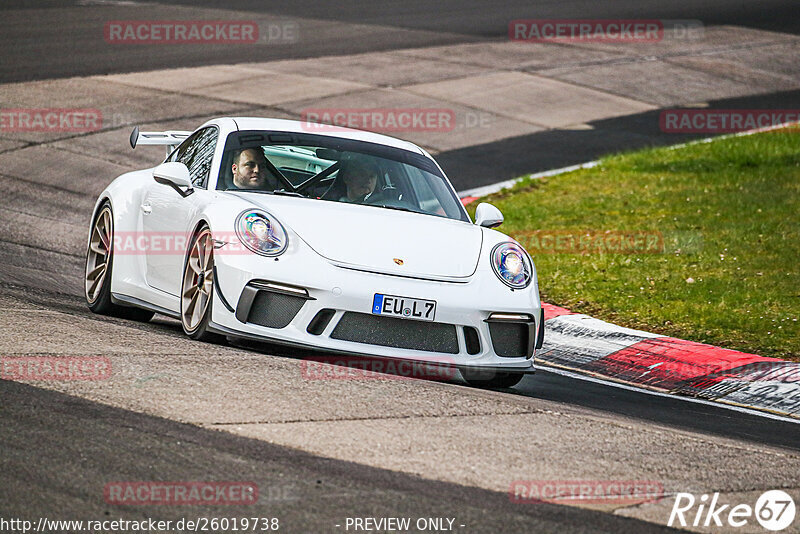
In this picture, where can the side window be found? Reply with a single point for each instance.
(179, 153)
(196, 153)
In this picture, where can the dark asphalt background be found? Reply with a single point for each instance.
(75, 48)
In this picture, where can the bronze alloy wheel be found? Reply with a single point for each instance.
(197, 288)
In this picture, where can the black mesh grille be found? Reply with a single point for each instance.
(274, 310)
(509, 339)
(397, 333)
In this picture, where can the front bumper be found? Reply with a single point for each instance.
(325, 307)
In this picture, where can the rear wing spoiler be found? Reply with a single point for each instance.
(169, 138)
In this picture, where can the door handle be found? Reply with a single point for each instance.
(146, 208)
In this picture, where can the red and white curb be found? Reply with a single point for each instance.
(583, 344)
(580, 344)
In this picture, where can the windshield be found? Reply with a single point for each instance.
(331, 169)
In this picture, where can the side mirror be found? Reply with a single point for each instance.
(488, 216)
(176, 175)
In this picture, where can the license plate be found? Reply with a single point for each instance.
(405, 307)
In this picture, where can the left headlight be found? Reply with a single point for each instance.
(261, 232)
(512, 265)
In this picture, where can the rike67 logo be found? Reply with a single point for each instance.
(774, 510)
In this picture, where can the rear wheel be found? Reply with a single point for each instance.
(99, 263)
(197, 288)
(491, 379)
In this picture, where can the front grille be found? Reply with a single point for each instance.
(509, 340)
(274, 310)
(396, 333)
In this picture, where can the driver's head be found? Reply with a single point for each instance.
(360, 178)
(249, 169)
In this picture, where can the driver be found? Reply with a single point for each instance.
(361, 180)
(250, 170)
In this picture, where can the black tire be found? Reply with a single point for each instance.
(97, 287)
(491, 379)
(196, 327)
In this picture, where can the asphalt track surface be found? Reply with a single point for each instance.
(57, 450)
(60, 450)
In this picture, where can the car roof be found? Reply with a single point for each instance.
(284, 125)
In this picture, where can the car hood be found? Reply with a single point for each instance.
(378, 239)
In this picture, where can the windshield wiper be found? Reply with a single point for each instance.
(398, 208)
(268, 192)
(288, 193)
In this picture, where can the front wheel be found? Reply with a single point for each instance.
(491, 379)
(197, 288)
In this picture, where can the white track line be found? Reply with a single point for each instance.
(499, 186)
(494, 188)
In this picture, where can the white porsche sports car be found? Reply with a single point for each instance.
(324, 238)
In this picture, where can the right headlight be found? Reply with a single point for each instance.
(512, 265)
(261, 233)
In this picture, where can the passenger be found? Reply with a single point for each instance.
(360, 179)
(250, 170)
